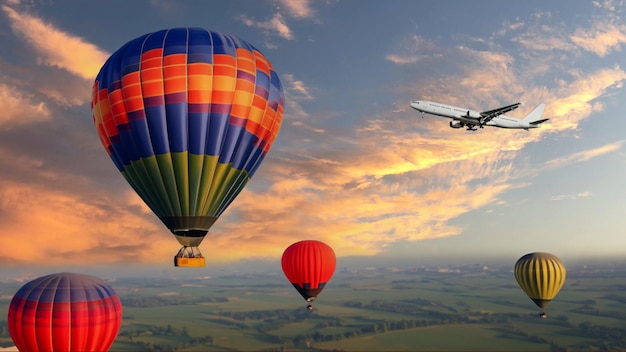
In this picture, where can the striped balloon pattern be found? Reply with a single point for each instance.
(309, 265)
(541, 276)
(187, 115)
(65, 312)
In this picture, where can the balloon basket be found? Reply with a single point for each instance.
(189, 257)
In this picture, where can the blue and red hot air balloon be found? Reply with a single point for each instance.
(309, 265)
(65, 312)
(187, 115)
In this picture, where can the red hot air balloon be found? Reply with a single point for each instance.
(309, 265)
(187, 115)
(65, 312)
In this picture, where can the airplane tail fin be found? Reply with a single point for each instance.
(534, 117)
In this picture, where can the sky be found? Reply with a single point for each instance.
(353, 165)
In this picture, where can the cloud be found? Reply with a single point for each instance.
(391, 180)
(481, 79)
(296, 92)
(412, 49)
(275, 25)
(396, 59)
(18, 108)
(543, 38)
(585, 155)
(571, 196)
(492, 78)
(297, 87)
(67, 215)
(57, 48)
(575, 101)
(388, 183)
(603, 33)
(358, 188)
(65, 227)
(298, 8)
(361, 203)
(610, 5)
(601, 39)
(165, 7)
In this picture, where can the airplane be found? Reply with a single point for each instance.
(471, 118)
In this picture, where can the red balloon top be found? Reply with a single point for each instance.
(65, 312)
(309, 264)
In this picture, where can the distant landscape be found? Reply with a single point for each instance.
(447, 308)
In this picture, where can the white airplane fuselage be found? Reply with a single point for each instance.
(468, 117)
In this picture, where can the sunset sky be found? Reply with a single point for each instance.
(353, 166)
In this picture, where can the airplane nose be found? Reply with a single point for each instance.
(415, 105)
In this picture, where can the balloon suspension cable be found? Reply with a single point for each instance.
(189, 252)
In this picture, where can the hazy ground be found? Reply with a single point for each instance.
(378, 307)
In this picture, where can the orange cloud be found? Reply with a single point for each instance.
(18, 108)
(400, 178)
(601, 39)
(574, 102)
(298, 8)
(393, 186)
(57, 48)
(48, 226)
(396, 177)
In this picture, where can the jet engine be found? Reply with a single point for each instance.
(456, 124)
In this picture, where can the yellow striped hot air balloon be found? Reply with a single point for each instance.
(541, 276)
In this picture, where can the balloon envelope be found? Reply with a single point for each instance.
(65, 312)
(541, 276)
(309, 265)
(187, 115)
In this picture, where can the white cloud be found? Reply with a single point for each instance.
(610, 5)
(275, 25)
(571, 196)
(296, 86)
(295, 92)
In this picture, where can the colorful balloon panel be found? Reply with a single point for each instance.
(65, 312)
(309, 265)
(187, 115)
(541, 276)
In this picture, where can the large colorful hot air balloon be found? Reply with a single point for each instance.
(187, 115)
(541, 276)
(309, 265)
(65, 312)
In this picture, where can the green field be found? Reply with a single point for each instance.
(367, 310)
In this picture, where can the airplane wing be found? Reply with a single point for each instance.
(488, 115)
